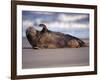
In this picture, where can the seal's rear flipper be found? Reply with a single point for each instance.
(86, 45)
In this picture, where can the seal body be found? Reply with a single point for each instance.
(50, 39)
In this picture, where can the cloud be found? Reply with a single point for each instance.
(32, 23)
(66, 26)
(65, 23)
(43, 13)
(40, 20)
(27, 23)
(68, 18)
(54, 24)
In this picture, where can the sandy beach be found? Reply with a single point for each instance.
(61, 57)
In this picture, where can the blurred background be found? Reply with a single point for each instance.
(76, 24)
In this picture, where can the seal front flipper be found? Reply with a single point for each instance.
(35, 47)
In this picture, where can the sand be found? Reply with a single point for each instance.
(62, 57)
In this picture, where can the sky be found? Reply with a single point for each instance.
(76, 24)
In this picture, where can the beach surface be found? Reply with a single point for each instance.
(60, 57)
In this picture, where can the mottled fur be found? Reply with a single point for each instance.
(50, 39)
